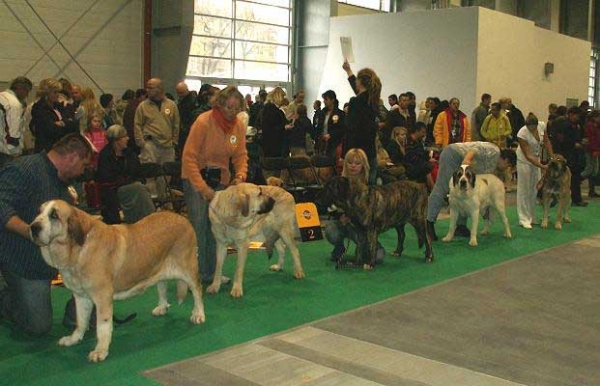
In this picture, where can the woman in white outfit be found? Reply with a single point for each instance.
(532, 139)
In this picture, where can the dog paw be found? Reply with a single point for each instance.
(213, 289)
(367, 267)
(97, 355)
(544, 224)
(397, 253)
(567, 220)
(237, 291)
(447, 239)
(473, 243)
(508, 235)
(198, 318)
(161, 310)
(275, 267)
(299, 275)
(558, 226)
(485, 232)
(69, 340)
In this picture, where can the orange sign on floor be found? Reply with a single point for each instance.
(308, 221)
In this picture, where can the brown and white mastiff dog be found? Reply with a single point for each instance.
(100, 262)
(247, 212)
(374, 209)
(557, 183)
(474, 196)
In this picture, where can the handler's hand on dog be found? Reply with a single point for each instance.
(236, 181)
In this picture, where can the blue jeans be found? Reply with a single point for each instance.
(198, 215)
(449, 161)
(27, 303)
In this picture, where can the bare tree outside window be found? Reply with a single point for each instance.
(237, 39)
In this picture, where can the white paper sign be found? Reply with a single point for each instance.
(347, 52)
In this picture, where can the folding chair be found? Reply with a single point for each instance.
(152, 170)
(322, 163)
(274, 165)
(302, 187)
(172, 177)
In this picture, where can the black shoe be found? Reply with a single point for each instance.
(431, 231)
(580, 203)
(462, 231)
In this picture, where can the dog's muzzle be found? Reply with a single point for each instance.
(463, 184)
(35, 230)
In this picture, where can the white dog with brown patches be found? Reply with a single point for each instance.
(473, 196)
(100, 262)
(246, 212)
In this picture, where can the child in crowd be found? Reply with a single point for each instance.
(96, 135)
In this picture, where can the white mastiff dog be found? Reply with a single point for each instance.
(247, 212)
(473, 196)
(100, 262)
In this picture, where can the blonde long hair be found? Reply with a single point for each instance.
(276, 96)
(357, 156)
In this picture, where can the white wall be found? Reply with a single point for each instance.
(460, 52)
(105, 37)
(511, 63)
(432, 53)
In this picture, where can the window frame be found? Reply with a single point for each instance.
(234, 19)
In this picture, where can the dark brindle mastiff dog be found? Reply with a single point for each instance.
(557, 183)
(373, 209)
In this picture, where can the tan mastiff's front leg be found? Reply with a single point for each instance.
(83, 307)
(237, 290)
(216, 284)
(104, 326)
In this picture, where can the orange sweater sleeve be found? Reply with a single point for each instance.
(190, 159)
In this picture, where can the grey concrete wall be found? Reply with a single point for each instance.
(172, 28)
(91, 42)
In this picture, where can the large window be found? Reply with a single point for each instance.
(241, 41)
(380, 5)
(593, 86)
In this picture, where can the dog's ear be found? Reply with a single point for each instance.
(473, 179)
(456, 176)
(75, 228)
(243, 203)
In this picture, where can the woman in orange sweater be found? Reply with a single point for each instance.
(215, 138)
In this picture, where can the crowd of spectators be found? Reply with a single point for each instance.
(50, 141)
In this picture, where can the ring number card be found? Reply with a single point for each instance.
(308, 221)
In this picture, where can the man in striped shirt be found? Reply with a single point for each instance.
(25, 184)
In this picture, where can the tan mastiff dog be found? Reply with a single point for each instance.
(556, 182)
(248, 212)
(100, 262)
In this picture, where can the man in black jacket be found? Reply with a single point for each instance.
(566, 136)
(186, 105)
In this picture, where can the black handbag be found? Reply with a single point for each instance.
(212, 176)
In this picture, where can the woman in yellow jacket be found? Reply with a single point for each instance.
(496, 127)
(451, 126)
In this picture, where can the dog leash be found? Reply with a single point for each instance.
(128, 318)
(341, 263)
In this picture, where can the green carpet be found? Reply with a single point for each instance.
(273, 302)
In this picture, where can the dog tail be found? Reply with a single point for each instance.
(182, 290)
